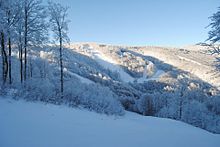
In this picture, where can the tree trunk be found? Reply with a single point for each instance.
(2, 53)
(21, 57)
(5, 60)
(180, 109)
(61, 65)
(25, 45)
(30, 68)
(9, 59)
(181, 104)
(9, 46)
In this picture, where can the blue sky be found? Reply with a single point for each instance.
(140, 22)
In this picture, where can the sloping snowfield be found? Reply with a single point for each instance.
(25, 124)
(105, 60)
(187, 60)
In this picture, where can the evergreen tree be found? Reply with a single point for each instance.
(214, 33)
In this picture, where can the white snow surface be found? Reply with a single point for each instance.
(156, 76)
(110, 64)
(187, 60)
(82, 79)
(26, 124)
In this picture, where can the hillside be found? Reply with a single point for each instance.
(139, 90)
(26, 124)
(176, 83)
(135, 59)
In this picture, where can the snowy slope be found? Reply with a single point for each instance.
(110, 64)
(196, 62)
(185, 59)
(25, 124)
(82, 79)
(109, 61)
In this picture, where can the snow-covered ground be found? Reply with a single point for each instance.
(156, 76)
(110, 64)
(26, 124)
(195, 61)
(105, 60)
(82, 79)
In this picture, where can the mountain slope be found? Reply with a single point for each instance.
(162, 82)
(26, 124)
(198, 62)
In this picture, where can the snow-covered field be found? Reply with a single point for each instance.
(26, 124)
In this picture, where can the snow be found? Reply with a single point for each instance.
(110, 64)
(149, 70)
(184, 58)
(25, 124)
(155, 77)
(82, 79)
(187, 60)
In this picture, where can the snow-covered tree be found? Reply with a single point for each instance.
(20, 42)
(34, 25)
(214, 33)
(12, 11)
(59, 25)
(3, 24)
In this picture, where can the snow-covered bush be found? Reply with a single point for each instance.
(167, 105)
(145, 105)
(149, 70)
(150, 87)
(101, 100)
(93, 97)
(37, 89)
(195, 113)
(170, 111)
(213, 104)
(195, 94)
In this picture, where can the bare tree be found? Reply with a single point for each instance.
(20, 47)
(12, 17)
(24, 20)
(59, 25)
(35, 26)
(2, 37)
(4, 58)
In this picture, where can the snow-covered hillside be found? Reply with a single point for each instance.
(180, 84)
(110, 61)
(27, 124)
(196, 60)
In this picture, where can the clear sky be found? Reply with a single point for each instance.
(140, 22)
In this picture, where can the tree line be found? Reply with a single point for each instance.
(25, 24)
